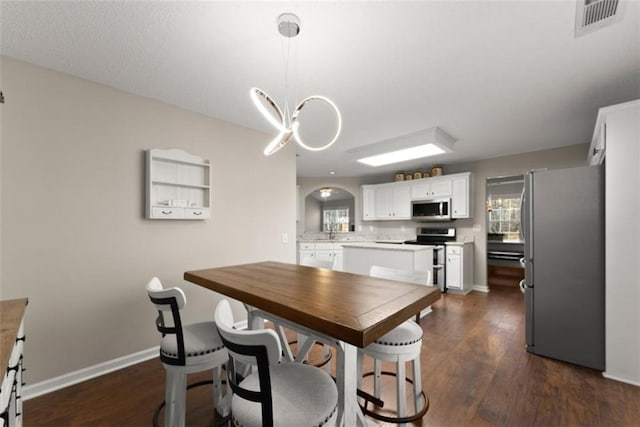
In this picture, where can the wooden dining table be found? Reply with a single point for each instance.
(348, 310)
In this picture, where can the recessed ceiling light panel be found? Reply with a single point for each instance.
(403, 155)
(416, 145)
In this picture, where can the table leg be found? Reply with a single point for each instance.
(253, 320)
(349, 413)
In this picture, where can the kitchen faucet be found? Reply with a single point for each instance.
(331, 228)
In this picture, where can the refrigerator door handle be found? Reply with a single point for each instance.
(520, 229)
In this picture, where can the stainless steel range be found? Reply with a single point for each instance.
(436, 237)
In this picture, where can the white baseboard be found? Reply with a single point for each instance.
(622, 380)
(34, 390)
(480, 288)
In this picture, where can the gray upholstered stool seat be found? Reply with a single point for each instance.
(274, 393)
(200, 339)
(406, 333)
(314, 407)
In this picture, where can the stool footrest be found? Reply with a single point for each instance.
(394, 420)
(323, 362)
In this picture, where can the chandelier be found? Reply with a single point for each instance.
(285, 122)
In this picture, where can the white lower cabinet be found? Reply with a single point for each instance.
(459, 267)
(327, 255)
(325, 252)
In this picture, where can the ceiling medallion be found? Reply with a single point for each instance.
(287, 123)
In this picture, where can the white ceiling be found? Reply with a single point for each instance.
(500, 77)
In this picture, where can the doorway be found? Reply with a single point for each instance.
(505, 243)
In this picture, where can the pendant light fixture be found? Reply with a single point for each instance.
(285, 122)
(325, 193)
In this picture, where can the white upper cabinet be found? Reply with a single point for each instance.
(368, 202)
(393, 201)
(402, 201)
(178, 185)
(599, 140)
(462, 196)
(431, 188)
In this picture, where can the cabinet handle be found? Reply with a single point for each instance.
(167, 212)
(596, 151)
(197, 213)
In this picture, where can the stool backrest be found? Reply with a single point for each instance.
(419, 277)
(259, 347)
(169, 302)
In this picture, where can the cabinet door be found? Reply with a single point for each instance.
(402, 202)
(431, 188)
(324, 256)
(298, 201)
(598, 151)
(384, 202)
(454, 270)
(440, 187)
(306, 257)
(368, 203)
(460, 197)
(420, 190)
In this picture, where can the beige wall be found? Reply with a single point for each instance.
(74, 240)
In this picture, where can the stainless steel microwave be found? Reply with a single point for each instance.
(431, 210)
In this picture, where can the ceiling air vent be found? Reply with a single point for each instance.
(592, 15)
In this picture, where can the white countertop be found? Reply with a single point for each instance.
(338, 241)
(387, 246)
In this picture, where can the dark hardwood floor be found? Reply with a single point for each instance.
(474, 368)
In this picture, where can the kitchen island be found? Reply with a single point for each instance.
(359, 257)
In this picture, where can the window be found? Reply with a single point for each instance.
(504, 216)
(335, 220)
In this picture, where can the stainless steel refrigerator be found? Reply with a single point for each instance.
(563, 229)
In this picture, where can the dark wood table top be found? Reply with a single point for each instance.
(352, 308)
(11, 314)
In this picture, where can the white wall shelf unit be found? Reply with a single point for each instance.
(178, 185)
